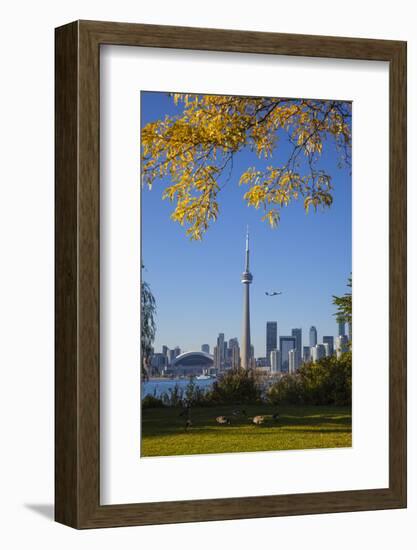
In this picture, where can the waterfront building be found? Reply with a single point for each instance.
(170, 356)
(192, 363)
(158, 363)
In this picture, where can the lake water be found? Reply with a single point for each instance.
(157, 386)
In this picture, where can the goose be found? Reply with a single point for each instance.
(223, 420)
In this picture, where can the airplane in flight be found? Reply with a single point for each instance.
(273, 293)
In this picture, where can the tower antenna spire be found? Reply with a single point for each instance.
(247, 249)
(246, 281)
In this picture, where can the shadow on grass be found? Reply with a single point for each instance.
(167, 422)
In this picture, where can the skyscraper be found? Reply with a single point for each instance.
(271, 339)
(342, 345)
(286, 343)
(171, 356)
(313, 337)
(306, 354)
(246, 281)
(158, 362)
(293, 361)
(341, 325)
(275, 361)
(220, 352)
(233, 342)
(318, 352)
(329, 340)
(216, 364)
(298, 335)
(234, 353)
(205, 348)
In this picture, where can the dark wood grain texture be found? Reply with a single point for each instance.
(77, 404)
(66, 237)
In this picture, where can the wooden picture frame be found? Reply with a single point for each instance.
(77, 405)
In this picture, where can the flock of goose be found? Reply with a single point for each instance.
(225, 420)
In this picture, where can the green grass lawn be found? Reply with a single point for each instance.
(164, 434)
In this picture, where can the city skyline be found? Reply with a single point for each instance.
(298, 341)
(247, 350)
(197, 284)
(286, 357)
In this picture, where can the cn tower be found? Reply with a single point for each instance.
(246, 280)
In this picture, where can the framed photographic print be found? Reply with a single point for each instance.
(230, 274)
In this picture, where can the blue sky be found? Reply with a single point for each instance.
(197, 284)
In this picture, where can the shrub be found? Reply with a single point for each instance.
(287, 391)
(174, 397)
(152, 402)
(326, 382)
(191, 396)
(235, 386)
